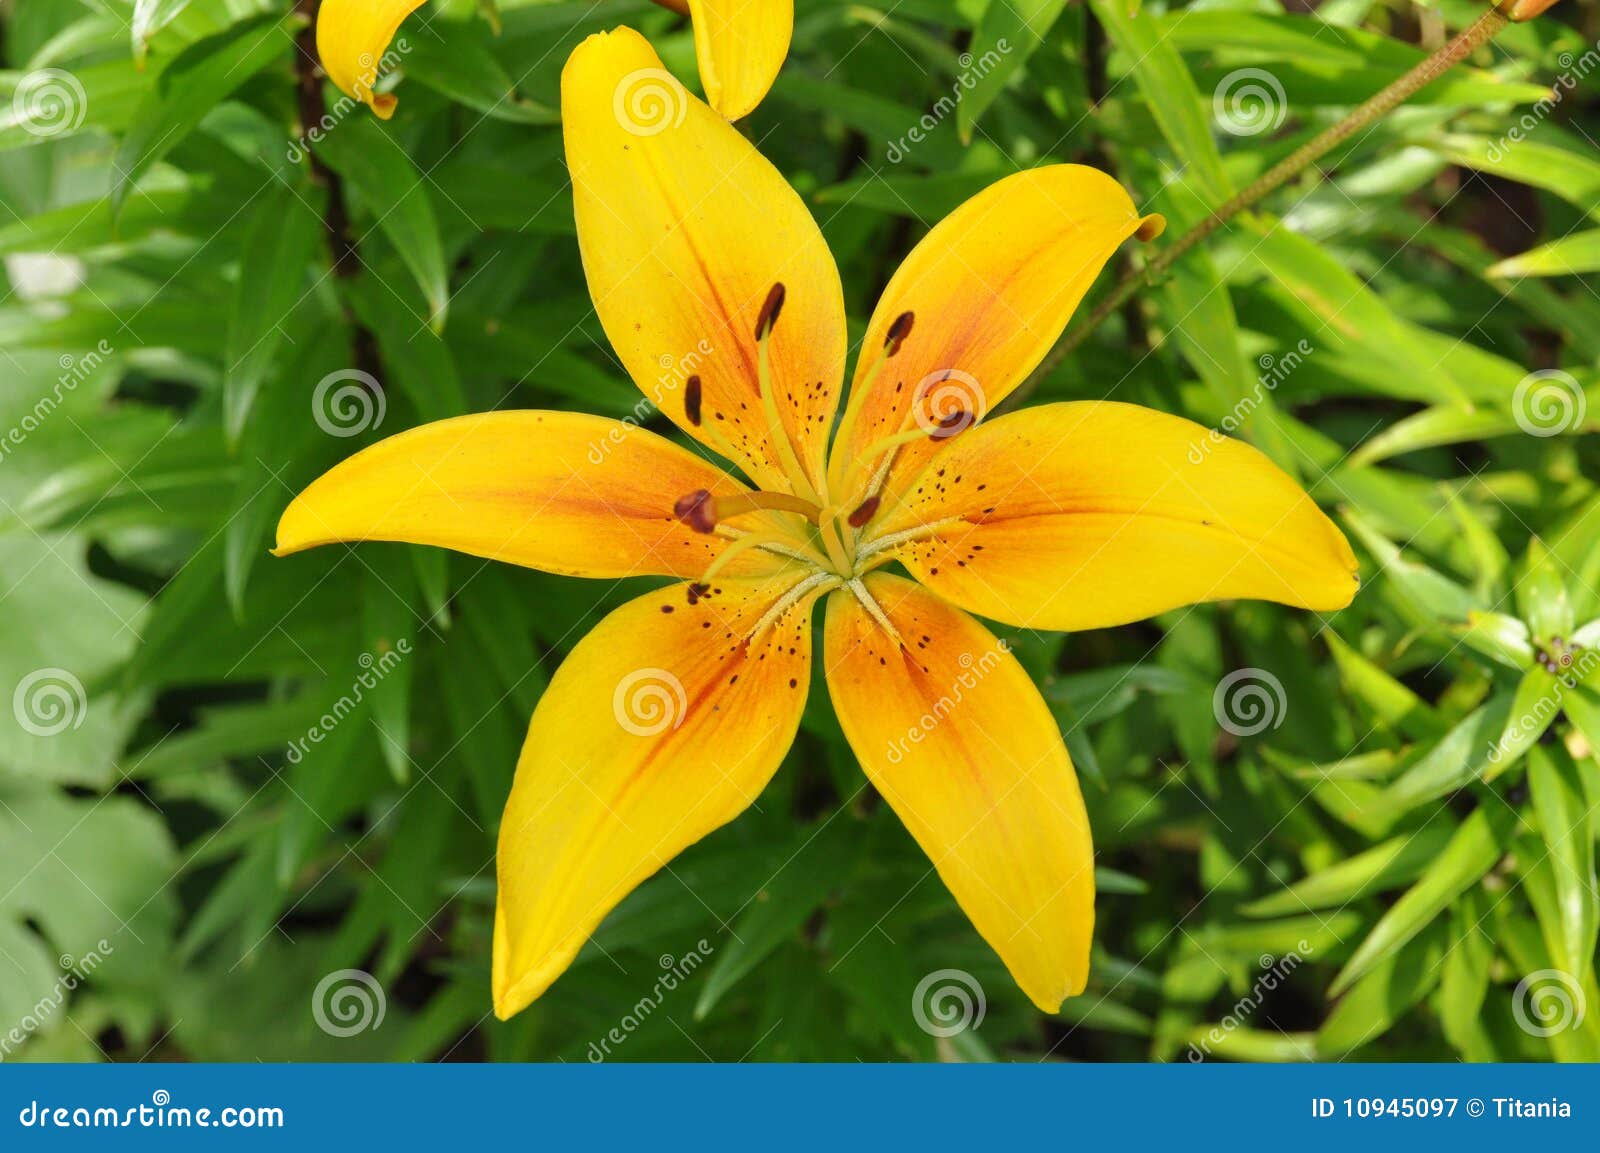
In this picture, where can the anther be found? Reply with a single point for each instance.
(867, 509)
(950, 425)
(691, 400)
(768, 316)
(898, 331)
(698, 510)
(1151, 227)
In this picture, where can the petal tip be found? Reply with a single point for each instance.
(1151, 226)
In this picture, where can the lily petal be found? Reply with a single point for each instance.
(952, 732)
(1086, 514)
(352, 38)
(684, 228)
(740, 45)
(565, 492)
(663, 724)
(990, 290)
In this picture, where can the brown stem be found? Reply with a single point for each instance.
(312, 108)
(1479, 33)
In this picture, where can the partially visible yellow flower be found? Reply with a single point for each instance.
(720, 297)
(739, 46)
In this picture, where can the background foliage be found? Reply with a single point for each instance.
(1372, 862)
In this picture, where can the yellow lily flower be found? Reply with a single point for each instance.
(739, 46)
(668, 719)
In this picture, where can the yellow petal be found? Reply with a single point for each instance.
(565, 492)
(1087, 514)
(990, 289)
(740, 45)
(352, 39)
(954, 735)
(665, 723)
(684, 228)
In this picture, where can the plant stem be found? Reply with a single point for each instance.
(1479, 33)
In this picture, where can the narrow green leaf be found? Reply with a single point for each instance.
(1472, 851)
(1561, 807)
(278, 247)
(1394, 862)
(1394, 982)
(1569, 256)
(1389, 700)
(384, 176)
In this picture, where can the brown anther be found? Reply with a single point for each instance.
(898, 331)
(698, 510)
(867, 509)
(952, 424)
(696, 591)
(1519, 11)
(767, 318)
(691, 400)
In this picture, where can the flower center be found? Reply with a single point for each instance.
(851, 492)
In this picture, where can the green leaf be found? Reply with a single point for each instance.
(1562, 809)
(199, 78)
(822, 862)
(1405, 973)
(278, 247)
(383, 175)
(1569, 256)
(1502, 638)
(150, 17)
(453, 59)
(1542, 594)
(1384, 866)
(1169, 92)
(1472, 851)
(1389, 700)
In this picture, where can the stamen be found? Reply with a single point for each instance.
(956, 422)
(703, 512)
(865, 511)
(768, 316)
(898, 331)
(698, 510)
(691, 400)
